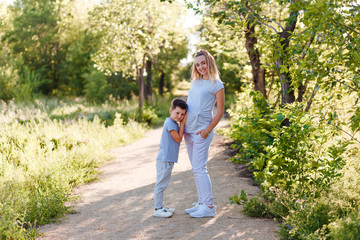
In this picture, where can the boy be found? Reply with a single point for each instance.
(168, 154)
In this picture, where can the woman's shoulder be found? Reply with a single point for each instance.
(218, 82)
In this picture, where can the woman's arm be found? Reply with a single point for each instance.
(220, 99)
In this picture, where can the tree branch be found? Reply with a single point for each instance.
(268, 26)
(350, 28)
(272, 20)
(308, 105)
(352, 137)
(308, 45)
(258, 20)
(354, 89)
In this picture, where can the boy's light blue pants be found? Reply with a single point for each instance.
(163, 174)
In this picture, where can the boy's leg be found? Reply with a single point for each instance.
(163, 174)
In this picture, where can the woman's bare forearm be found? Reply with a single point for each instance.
(220, 98)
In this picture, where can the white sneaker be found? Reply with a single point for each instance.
(162, 213)
(204, 211)
(193, 209)
(168, 209)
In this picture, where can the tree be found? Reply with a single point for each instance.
(35, 40)
(311, 44)
(167, 61)
(229, 51)
(7, 63)
(134, 32)
(50, 44)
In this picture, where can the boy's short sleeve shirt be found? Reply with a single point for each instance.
(169, 148)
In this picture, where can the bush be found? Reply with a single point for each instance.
(346, 228)
(308, 173)
(250, 127)
(96, 90)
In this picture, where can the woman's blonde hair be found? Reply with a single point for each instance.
(213, 71)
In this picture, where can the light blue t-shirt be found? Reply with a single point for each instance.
(169, 148)
(201, 100)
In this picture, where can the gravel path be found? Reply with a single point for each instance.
(120, 204)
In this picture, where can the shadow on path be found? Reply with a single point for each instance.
(120, 205)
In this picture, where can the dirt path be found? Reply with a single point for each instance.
(120, 205)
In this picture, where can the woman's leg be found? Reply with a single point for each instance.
(189, 141)
(200, 152)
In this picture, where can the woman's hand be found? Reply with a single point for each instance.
(203, 133)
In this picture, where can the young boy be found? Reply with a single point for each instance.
(168, 154)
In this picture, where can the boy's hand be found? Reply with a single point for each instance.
(183, 121)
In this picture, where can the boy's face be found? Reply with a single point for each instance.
(177, 114)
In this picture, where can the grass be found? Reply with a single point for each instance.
(46, 149)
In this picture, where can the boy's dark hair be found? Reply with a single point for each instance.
(179, 103)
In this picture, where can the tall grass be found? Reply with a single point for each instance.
(46, 149)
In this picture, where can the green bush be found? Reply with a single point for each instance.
(256, 207)
(346, 228)
(96, 89)
(308, 173)
(250, 126)
(305, 218)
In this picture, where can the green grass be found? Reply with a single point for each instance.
(48, 148)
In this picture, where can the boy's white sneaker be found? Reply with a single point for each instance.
(161, 212)
(168, 209)
(203, 211)
(193, 209)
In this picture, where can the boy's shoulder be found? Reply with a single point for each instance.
(169, 122)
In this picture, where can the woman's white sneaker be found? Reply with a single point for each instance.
(203, 211)
(162, 213)
(193, 209)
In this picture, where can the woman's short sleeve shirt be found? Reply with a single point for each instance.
(201, 100)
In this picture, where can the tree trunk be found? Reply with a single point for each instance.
(162, 83)
(301, 91)
(257, 72)
(140, 78)
(287, 93)
(148, 87)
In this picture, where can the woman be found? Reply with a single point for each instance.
(206, 88)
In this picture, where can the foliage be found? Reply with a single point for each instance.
(346, 228)
(59, 155)
(96, 88)
(310, 45)
(228, 50)
(37, 40)
(250, 131)
(133, 33)
(303, 169)
(47, 48)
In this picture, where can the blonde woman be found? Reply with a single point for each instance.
(206, 89)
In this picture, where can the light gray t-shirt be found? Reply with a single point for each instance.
(201, 100)
(169, 148)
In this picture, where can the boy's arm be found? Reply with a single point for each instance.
(177, 136)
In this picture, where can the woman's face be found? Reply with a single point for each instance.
(201, 65)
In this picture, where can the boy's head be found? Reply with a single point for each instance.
(178, 109)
